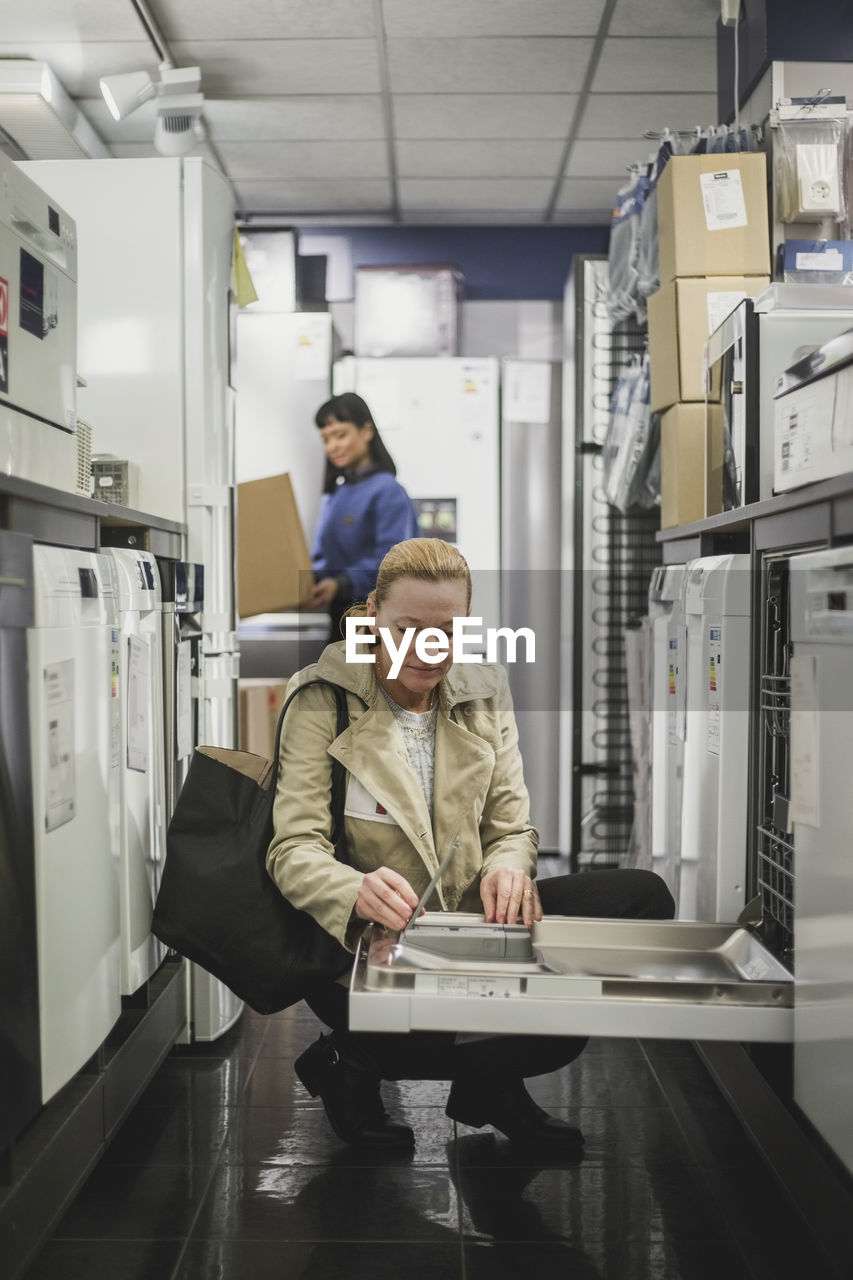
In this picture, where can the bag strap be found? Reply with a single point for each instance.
(338, 795)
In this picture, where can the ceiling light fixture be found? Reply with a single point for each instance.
(178, 103)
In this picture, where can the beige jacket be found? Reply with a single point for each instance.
(480, 804)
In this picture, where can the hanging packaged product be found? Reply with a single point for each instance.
(629, 453)
(622, 296)
(809, 163)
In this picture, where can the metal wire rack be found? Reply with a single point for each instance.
(614, 558)
(774, 848)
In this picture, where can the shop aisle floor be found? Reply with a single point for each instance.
(227, 1170)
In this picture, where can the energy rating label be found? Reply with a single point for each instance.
(715, 691)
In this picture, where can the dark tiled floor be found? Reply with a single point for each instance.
(227, 1169)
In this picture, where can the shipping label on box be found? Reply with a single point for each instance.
(722, 196)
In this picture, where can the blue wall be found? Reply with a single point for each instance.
(498, 263)
(781, 31)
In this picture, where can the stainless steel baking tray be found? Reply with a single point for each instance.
(673, 979)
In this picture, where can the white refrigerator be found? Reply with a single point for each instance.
(154, 240)
(440, 420)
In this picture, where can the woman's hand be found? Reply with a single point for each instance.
(505, 893)
(324, 593)
(386, 898)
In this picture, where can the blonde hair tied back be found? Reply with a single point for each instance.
(426, 559)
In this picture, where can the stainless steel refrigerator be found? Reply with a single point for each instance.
(531, 514)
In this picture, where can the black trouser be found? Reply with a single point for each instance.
(435, 1055)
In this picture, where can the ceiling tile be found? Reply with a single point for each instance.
(264, 19)
(78, 67)
(665, 17)
(488, 65)
(297, 119)
(587, 194)
(332, 160)
(492, 17)
(477, 159)
(483, 115)
(54, 21)
(621, 115)
(268, 68)
(606, 159)
(629, 66)
(304, 196)
(481, 194)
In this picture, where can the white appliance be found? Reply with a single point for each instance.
(761, 338)
(283, 375)
(74, 687)
(20, 1058)
(143, 780)
(38, 334)
(813, 415)
(822, 813)
(667, 749)
(440, 420)
(715, 603)
(155, 246)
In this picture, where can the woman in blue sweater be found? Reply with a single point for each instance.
(365, 510)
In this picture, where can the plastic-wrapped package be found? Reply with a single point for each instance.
(648, 259)
(622, 296)
(809, 164)
(620, 406)
(630, 448)
(816, 262)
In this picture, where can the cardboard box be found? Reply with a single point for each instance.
(690, 463)
(273, 563)
(260, 703)
(681, 315)
(813, 431)
(712, 216)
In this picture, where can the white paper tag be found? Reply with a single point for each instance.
(720, 304)
(832, 260)
(722, 196)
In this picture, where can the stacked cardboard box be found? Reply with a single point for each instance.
(714, 248)
(260, 703)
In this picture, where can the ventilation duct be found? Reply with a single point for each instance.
(39, 118)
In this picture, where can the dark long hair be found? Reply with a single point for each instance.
(351, 408)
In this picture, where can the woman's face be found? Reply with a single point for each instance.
(412, 603)
(347, 446)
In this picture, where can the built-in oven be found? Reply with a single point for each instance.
(38, 334)
(745, 355)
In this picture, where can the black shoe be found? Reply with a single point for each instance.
(509, 1107)
(349, 1091)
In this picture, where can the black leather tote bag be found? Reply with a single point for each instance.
(217, 905)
